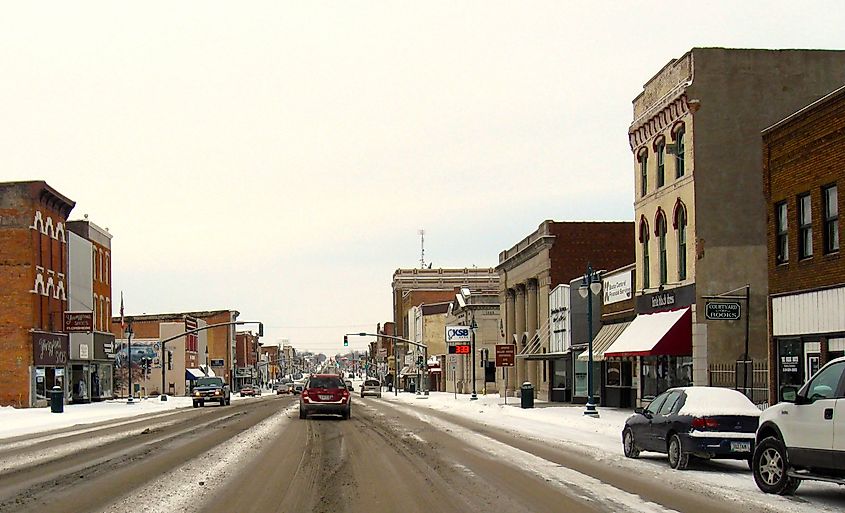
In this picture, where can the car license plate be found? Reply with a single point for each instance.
(740, 446)
(325, 397)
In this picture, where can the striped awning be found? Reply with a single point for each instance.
(606, 336)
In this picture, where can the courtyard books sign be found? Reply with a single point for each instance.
(723, 311)
(505, 355)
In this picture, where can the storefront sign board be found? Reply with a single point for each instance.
(505, 355)
(50, 349)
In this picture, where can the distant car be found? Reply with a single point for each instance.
(298, 386)
(349, 385)
(250, 390)
(210, 389)
(705, 422)
(371, 387)
(284, 388)
(325, 393)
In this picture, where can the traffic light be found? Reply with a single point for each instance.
(260, 329)
(345, 340)
(169, 360)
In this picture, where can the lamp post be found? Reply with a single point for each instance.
(590, 284)
(129, 359)
(472, 327)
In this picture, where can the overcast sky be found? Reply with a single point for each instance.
(279, 158)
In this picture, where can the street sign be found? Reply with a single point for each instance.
(452, 362)
(722, 311)
(505, 355)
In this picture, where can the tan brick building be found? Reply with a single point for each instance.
(803, 164)
(699, 207)
(34, 350)
(554, 254)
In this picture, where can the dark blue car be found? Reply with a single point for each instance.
(702, 422)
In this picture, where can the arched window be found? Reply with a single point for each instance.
(679, 152)
(660, 152)
(680, 223)
(107, 319)
(643, 160)
(94, 264)
(660, 231)
(108, 269)
(96, 308)
(101, 266)
(644, 236)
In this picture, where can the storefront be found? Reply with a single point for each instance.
(809, 331)
(614, 379)
(660, 344)
(50, 356)
(91, 367)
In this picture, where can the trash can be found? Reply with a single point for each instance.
(412, 386)
(527, 395)
(57, 400)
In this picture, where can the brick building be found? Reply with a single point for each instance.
(34, 350)
(554, 254)
(214, 347)
(700, 210)
(247, 347)
(92, 348)
(803, 163)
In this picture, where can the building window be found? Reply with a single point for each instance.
(94, 265)
(782, 236)
(644, 173)
(681, 224)
(661, 239)
(805, 227)
(831, 219)
(660, 150)
(646, 263)
(679, 153)
(108, 268)
(101, 266)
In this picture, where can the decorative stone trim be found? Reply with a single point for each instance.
(657, 123)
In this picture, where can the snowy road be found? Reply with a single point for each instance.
(257, 455)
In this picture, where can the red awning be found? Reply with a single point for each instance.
(658, 334)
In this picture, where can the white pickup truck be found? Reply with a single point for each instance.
(804, 436)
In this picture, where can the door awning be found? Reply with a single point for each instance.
(192, 374)
(657, 334)
(605, 338)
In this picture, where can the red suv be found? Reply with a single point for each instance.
(325, 393)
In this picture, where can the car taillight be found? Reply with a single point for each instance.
(704, 423)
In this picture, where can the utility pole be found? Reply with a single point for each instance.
(129, 360)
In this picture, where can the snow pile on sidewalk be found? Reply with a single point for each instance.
(24, 421)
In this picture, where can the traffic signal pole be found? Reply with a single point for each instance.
(189, 332)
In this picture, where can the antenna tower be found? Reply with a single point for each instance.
(422, 248)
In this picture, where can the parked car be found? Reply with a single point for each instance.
(325, 393)
(210, 389)
(371, 387)
(705, 422)
(803, 438)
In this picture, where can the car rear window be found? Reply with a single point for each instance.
(371, 383)
(325, 382)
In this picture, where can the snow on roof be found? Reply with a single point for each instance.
(710, 401)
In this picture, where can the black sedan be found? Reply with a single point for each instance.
(704, 422)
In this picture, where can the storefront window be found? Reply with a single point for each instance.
(580, 378)
(560, 380)
(614, 373)
(660, 373)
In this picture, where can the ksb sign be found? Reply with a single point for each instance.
(456, 334)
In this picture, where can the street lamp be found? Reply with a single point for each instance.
(590, 283)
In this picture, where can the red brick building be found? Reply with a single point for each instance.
(247, 347)
(803, 164)
(33, 276)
